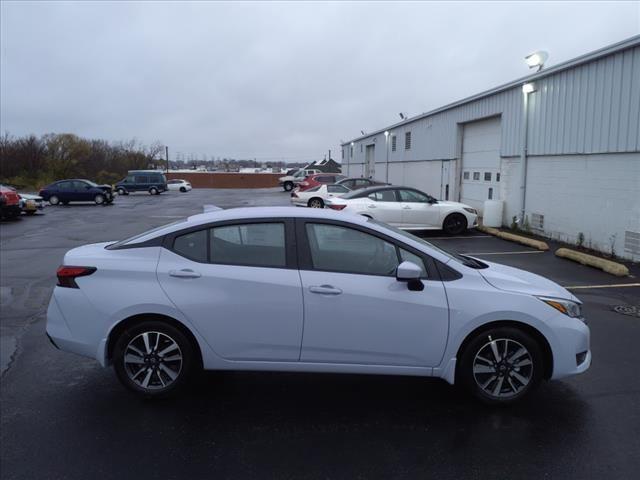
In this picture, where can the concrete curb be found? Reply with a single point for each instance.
(530, 242)
(614, 268)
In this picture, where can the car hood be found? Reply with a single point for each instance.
(515, 280)
(447, 203)
(28, 196)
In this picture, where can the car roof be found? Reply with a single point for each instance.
(246, 213)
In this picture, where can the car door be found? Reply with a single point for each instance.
(82, 191)
(356, 312)
(238, 284)
(384, 206)
(417, 210)
(64, 191)
(141, 182)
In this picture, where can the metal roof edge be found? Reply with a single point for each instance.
(630, 42)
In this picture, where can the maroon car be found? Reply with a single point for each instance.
(9, 202)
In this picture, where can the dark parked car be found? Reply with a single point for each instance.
(151, 181)
(357, 183)
(9, 202)
(76, 190)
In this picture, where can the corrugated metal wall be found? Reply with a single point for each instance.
(591, 108)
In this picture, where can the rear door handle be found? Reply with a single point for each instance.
(184, 273)
(325, 290)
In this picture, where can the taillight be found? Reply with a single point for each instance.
(67, 275)
(337, 207)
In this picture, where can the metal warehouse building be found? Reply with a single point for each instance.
(576, 129)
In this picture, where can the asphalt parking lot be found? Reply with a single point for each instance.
(63, 416)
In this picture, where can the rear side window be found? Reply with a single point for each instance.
(192, 245)
(256, 244)
(383, 196)
(142, 179)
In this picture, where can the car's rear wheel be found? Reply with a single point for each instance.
(315, 203)
(454, 224)
(153, 358)
(501, 365)
(98, 199)
(153, 191)
(54, 200)
(288, 186)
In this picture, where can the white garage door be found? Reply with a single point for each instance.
(480, 162)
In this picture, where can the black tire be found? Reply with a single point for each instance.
(183, 189)
(454, 224)
(315, 203)
(99, 199)
(121, 191)
(54, 200)
(31, 212)
(288, 186)
(500, 382)
(127, 372)
(153, 191)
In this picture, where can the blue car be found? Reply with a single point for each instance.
(77, 190)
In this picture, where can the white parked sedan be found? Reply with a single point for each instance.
(180, 185)
(408, 209)
(316, 197)
(235, 289)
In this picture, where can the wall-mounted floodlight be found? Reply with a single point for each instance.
(536, 59)
(386, 134)
(528, 88)
(352, 144)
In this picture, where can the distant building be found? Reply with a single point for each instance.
(581, 148)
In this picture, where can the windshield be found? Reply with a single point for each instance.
(93, 184)
(467, 261)
(299, 173)
(143, 234)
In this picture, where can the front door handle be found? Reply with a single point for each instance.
(184, 273)
(371, 206)
(325, 290)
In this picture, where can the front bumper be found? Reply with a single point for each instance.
(571, 347)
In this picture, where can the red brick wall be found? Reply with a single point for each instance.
(228, 180)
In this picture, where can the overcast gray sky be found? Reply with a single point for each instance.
(271, 80)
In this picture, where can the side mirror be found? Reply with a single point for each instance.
(410, 272)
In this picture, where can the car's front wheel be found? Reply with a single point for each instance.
(153, 358)
(454, 224)
(153, 191)
(501, 365)
(98, 199)
(183, 189)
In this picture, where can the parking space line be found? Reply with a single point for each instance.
(462, 236)
(504, 253)
(615, 285)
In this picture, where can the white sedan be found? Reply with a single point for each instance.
(234, 290)
(180, 185)
(316, 197)
(408, 209)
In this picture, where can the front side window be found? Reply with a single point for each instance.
(192, 245)
(255, 244)
(407, 256)
(413, 196)
(142, 179)
(346, 250)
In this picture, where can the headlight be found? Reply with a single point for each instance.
(569, 308)
(471, 210)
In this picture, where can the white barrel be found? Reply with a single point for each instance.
(492, 213)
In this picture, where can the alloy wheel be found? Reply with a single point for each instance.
(153, 360)
(503, 368)
(316, 203)
(53, 200)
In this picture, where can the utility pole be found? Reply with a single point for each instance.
(166, 153)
